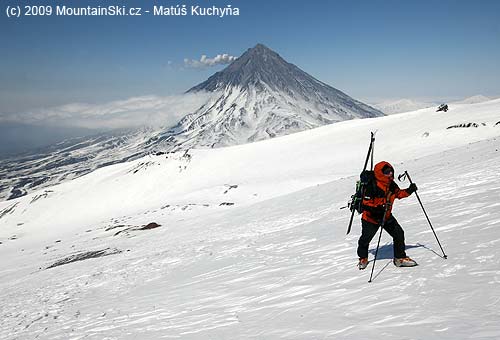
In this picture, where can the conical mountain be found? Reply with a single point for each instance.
(257, 66)
(259, 96)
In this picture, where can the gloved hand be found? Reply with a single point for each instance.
(412, 188)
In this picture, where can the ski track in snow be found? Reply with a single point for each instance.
(282, 268)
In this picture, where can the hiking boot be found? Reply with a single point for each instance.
(363, 263)
(405, 262)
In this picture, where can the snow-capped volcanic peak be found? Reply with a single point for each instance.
(263, 96)
(258, 96)
(260, 65)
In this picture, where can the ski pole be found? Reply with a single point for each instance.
(370, 152)
(379, 237)
(406, 174)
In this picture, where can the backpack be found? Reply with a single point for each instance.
(366, 184)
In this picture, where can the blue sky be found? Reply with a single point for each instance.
(370, 49)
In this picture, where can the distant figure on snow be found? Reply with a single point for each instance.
(378, 198)
(442, 107)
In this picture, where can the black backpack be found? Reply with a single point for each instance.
(365, 186)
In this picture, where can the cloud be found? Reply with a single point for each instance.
(134, 112)
(219, 59)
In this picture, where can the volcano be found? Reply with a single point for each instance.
(259, 96)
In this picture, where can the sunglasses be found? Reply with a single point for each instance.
(388, 171)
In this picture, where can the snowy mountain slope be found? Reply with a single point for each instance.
(69, 159)
(258, 96)
(261, 171)
(262, 96)
(276, 264)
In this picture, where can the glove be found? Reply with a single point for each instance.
(412, 188)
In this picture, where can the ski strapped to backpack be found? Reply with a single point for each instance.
(366, 179)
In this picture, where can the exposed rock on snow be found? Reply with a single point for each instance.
(463, 125)
(84, 256)
(152, 225)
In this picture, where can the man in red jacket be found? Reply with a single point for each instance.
(378, 199)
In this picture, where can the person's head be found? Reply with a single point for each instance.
(384, 172)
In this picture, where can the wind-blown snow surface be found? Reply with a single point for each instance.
(277, 263)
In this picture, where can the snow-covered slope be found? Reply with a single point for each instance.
(262, 96)
(258, 96)
(69, 159)
(252, 241)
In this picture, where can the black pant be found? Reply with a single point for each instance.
(392, 227)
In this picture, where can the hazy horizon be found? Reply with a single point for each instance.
(84, 71)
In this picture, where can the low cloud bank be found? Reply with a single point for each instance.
(134, 112)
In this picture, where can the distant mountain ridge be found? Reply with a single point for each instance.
(473, 100)
(390, 107)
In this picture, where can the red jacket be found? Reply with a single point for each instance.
(383, 193)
